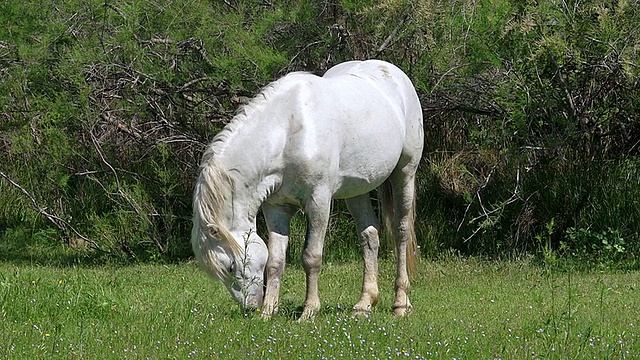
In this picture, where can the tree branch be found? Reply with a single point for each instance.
(395, 31)
(57, 221)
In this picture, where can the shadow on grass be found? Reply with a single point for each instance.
(292, 311)
(23, 247)
(59, 255)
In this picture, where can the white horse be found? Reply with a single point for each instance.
(301, 142)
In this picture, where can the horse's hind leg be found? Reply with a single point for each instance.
(317, 209)
(402, 183)
(368, 227)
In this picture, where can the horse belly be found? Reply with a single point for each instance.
(364, 170)
(352, 186)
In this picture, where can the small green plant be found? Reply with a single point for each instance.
(549, 255)
(606, 245)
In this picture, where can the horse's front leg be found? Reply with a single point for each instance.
(278, 220)
(317, 210)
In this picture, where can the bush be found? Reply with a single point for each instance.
(530, 112)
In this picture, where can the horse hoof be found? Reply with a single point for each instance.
(362, 310)
(307, 316)
(402, 310)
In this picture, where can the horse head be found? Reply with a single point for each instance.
(238, 261)
(229, 250)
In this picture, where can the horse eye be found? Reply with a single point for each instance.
(232, 266)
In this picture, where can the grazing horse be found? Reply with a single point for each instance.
(303, 141)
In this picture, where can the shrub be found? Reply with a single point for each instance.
(530, 112)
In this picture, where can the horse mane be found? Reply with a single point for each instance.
(213, 190)
(244, 112)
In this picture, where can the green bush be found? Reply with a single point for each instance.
(530, 113)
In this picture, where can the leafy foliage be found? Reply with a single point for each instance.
(530, 113)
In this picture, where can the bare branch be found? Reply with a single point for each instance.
(515, 196)
(393, 34)
(192, 82)
(116, 9)
(226, 2)
(57, 221)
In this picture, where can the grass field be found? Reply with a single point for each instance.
(464, 308)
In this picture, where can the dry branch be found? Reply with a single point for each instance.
(393, 34)
(57, 221)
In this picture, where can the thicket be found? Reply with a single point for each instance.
(531, 121)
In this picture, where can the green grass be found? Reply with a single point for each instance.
(464, 308)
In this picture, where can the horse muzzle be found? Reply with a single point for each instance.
(254, 301)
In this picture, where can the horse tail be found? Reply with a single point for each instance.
(412, 246)
(387, 210)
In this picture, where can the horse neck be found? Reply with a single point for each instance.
(252, 163)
